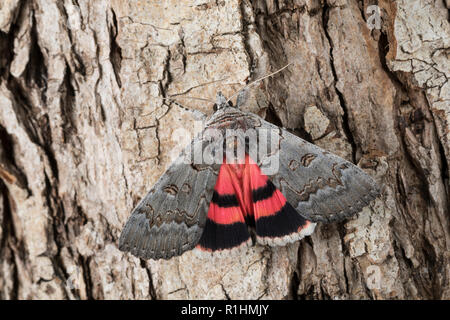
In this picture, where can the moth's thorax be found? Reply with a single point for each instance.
(230, 118)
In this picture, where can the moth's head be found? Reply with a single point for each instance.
(221, 102)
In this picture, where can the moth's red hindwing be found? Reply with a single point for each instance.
(244, 196)
(274, 216)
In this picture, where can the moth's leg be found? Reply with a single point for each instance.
(198, 115)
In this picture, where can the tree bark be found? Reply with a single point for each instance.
(85, 133)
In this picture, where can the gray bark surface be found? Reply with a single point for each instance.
(85, 133)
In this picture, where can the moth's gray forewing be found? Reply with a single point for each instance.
(171, 217)
(320, 185)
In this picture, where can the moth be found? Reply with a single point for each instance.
(215, 200)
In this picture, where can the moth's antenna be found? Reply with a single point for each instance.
(257, 80)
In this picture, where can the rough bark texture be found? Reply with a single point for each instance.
(84, 133)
